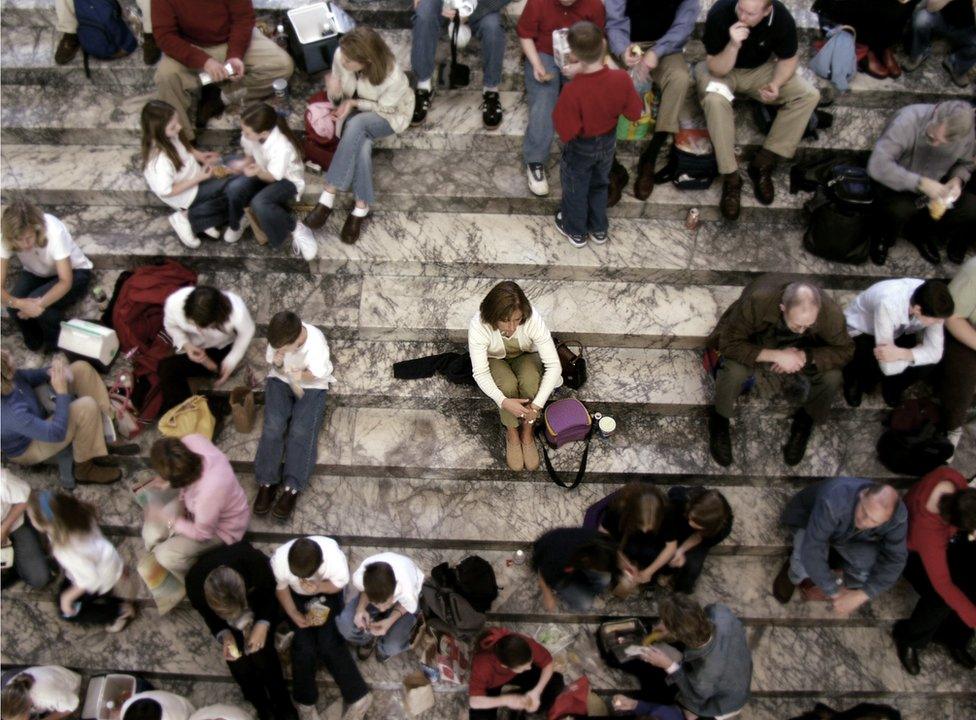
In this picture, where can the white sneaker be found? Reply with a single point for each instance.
(232, 236)
(536, 175)
(181, 224)
(303, 241)
(212, 233)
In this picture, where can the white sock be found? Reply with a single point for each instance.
(424, 84)
(327, 198)
(360, 211)
(490, 89)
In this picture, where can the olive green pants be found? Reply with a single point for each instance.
(517, 377)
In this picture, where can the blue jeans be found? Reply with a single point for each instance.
(30, 561)
(578, 594)
(43, 331)
(352, 164)
(585, 175)
(858, 560)
(209, 207)
(396, 640)
(428, 28)
(963, 40)
(542, 101)
(291, 429)
(270, 202)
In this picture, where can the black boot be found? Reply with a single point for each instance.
(719, 438)
(878, 250)
(796, 446)
(908, 657)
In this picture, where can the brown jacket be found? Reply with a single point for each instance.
(749, 318)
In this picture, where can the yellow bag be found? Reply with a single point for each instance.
(644, 126)
(189, 417)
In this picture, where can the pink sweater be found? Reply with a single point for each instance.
(216, 505)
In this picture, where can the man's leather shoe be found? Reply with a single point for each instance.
(962, 656)
(796, 446)
(853, 394)
(891, 63)
(956, 252)
(876, 67)
(909, 658)
(878, 251)
(619, 177)
(783, 587)
(719, 438)
(928, 250)
(67, 48)
(318, 217)
(351, 229)
(762, 183)
(731, 202)
(211, 106)
(266, 496)
(150, 50)
(644, 184)
(285, 505)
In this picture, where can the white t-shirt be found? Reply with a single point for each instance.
(161, 175)
(174, 706)
(42, 261)
(334, 567)
(55, 689)
(313, 356)
(278, 157)
(90, 561)
(13, 491)
(409, 578)
(221, 711)
(239, 328)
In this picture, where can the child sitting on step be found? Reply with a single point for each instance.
(271, 179)
(181, 176)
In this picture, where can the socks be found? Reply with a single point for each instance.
(425, 85)
(489, 89)
(327, 198)
(360, 211)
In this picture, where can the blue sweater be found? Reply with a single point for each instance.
(22, 418)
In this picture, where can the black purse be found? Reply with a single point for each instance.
(459, 75)
(573, 364)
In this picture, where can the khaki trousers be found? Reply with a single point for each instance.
(518, 377)
(672, 75)
(85, 432)
(68, 23)
(264, 62)
(797, 100)
(178, 553)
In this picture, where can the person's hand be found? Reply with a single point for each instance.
(847, 601)
(540, 74)
(229, 649)
(931, 189)
(66, 604)
(622, 703)
(251, 169)
(300, 620)
(379, 628)
(769, 92)
(345, 107)
(333, 86)
(533, 699)
(649, 60)
(678, 560)
(215, 69)
(59, 376)
(953, 189)
(549, 602)
(204, 173)
(656, 657)
(361, 620)
(28, 308)
(257, 638)
(789, 361)
(238, 66)
(516, 406)
(631, 57)
(449, 13)
(516, 702)
(889, 353)
(571, 70)
(738, 34)
(225, 372)
(532, 412)
(308, 586)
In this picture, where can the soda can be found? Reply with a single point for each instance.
(692, 219)
(98, 293)
(519, 557)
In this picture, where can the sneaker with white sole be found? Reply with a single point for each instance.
(181, 224)
(577, 241)
(303, 241)
(232, 236)
(599, 238)
(535, 173)
(212, 233)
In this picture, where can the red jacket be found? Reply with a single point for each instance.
(487, 672)
(182, 27)
(929, 535)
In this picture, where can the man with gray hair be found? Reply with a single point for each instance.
(795, 329)
(922, 163)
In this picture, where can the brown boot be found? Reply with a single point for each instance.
(761, 174)
(211, 106)
(150, 50)
(876, 67)
(260, 236)
(891, 63)
(67, 49)
(286, 504)
(265, 496)
(91, 472)
(619, 177)
(731, 202)
(644, 184)
(318, 217)
(351, 229)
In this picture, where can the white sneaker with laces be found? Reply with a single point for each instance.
(536, 175)
(232, 236)
(181, 224)
(303, 241)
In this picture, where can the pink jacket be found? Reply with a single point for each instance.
(216, 505)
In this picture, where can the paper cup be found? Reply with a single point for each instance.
(607, 425)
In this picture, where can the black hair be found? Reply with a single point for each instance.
(933, 297)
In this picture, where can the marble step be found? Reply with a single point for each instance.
(786, 659)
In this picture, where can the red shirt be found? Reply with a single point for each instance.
(929, 535)
(487, 672)
(181, 25)
(591, 104)
(540, 17)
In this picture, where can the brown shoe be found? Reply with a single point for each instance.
(731, 202)
(783, 587)
(619, 177)
(762, 182)
(351, 229)
(876, 67)
(91, 472)
(266, 495)
(530, 454)
(811, 592)
(122, 448)
(260, 236)
(150, 50)
(211, 106)
(891, 63)
(67, 48)
(644, 184)
(513, 454)
(285, 505)
(318, 217)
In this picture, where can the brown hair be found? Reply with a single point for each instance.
(304, 557)
(60, 515)
(261, 117)
(512, 651)
(503, 300)
(7, 371)
(379, 582)
(17, 219)
(284, 329)
(959, 509)
(685, 620)
(586, 41)
(709, 510)
(15, 698)
(365, 46)
(155, 116)
(207, 306)
(175, 462)
(225, 592)
(639, 505)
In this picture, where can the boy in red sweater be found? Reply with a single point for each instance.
(586, 119)
(503, 658)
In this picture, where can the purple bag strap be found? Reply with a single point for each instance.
(539, 430)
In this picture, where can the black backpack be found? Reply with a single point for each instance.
(913, 444)
(455, 600)
(839, 217)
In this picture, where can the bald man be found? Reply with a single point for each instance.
(790, 327)
(862, 522)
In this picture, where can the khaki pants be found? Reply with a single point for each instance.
(85, 432)
(797, 100)
(264, 62)
(179, 553)
(673, 77)
(68, 23)
(518, 377)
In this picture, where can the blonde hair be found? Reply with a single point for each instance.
(61, 515)
(17, 219)
(365, 46)
(225, 592)
(15, 699)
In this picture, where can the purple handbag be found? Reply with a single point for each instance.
(564, 421)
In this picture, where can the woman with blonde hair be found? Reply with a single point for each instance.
(640, 521)
(54, 272)
(365, 78)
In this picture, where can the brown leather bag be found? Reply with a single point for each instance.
(573, 363)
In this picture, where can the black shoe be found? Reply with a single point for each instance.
(908, 657)
(956, 252)
(364, 651)
(150, 50)
(891, 394)
(783, 587)
(853, 394)
(878, 251)
(719, 438)
(668, 173)
(265, 497)
(421, 105)
(67, 48)
(796, 446)
(210, 107)
(928, 250)
(491, 110)
(962, 656)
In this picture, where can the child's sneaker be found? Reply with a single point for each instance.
(577, 241)
(232, 236)
(181, 224)
(599, 238)
(536, 175)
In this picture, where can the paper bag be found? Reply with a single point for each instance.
(242, 409)
(418, 693)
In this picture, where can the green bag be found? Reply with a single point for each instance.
(644, 126)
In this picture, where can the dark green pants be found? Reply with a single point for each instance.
(728, 385)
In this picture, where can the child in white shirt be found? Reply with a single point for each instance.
(272, 179)
(48, 691)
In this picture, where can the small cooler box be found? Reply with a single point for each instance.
(313, 36)
(93, 342)
(106, 695)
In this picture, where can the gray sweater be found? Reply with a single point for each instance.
(903, 153)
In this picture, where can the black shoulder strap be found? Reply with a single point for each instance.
(552, 471)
